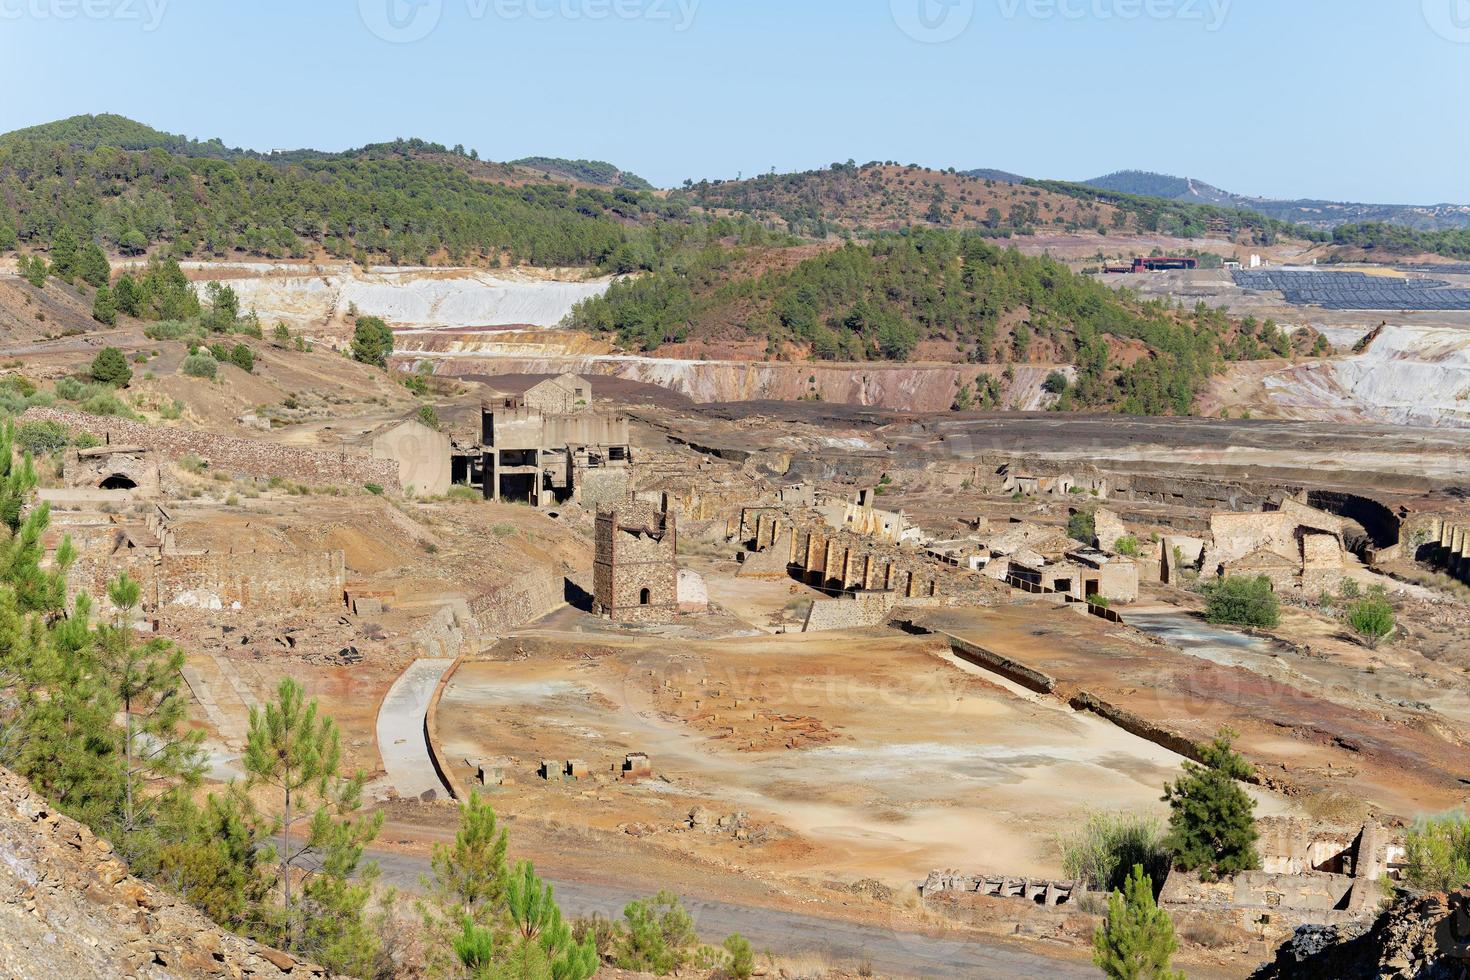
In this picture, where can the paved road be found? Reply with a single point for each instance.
(890, 952)
(401, 738)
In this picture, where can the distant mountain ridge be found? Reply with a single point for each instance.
(88, 132)
(1324, 215)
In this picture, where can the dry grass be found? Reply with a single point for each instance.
(1210, 935)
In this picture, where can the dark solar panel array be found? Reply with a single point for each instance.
(1356, 290)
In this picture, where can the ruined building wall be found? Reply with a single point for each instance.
(1449, 547)
(601, 489)
(217, 580)
(228, 454)
(1322, 567)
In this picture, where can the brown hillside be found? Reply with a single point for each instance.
(889, 197)
(69, 908)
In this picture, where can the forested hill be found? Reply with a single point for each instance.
(889, 196)
(90, 132)
(135, 189)
(948, 292)
(596, 172)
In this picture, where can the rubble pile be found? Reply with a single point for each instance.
(1420, 937)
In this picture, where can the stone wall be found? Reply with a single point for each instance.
(522, 601)
(602, 489)
(1322, 567)
(861, 610)
(228, 454)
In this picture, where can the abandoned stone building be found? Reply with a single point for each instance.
(1326, 877)
(1295, 546)
(1083, 574)
(422, 453)
(114, 468)
(861, 515)
(635, 572)
(561, 395)
(177, 576)
(527, 454)
(1447, 544)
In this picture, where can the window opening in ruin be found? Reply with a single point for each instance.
(1063, 585)
(645, 598)
(117, 482)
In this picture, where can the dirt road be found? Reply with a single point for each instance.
(890, 952)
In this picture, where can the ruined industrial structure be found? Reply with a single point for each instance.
(635, 570)
(546, 447)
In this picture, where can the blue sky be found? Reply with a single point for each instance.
(1344, 99)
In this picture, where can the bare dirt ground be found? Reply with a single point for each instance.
(854, 755)
(1306, 736)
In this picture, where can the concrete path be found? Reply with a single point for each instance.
(887, 951)
(401, 738)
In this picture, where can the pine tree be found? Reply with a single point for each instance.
(128, 295)
(104, 306)
(468, 887)
(1136, 941)
(110, 367)
(1212, 828)
(216, 866)
(92, 266)
(372, 341)
(294, 750)
(538, 924)
(64, 255)
(17, 478)
(161, 761)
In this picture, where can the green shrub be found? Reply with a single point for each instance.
(741, 963)
(243, 358)
(1127, 545)
(1238, 601)
(220, 352)
(1083, 526)
(1056, 383)
(376, 489)
(1103, 851)
(1438, 853)
(201, 365)
(1136, 941)
(1372, 619)
(173, 330)
(465, 493)
(110, 367)
(428, 417)
(41, 437)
